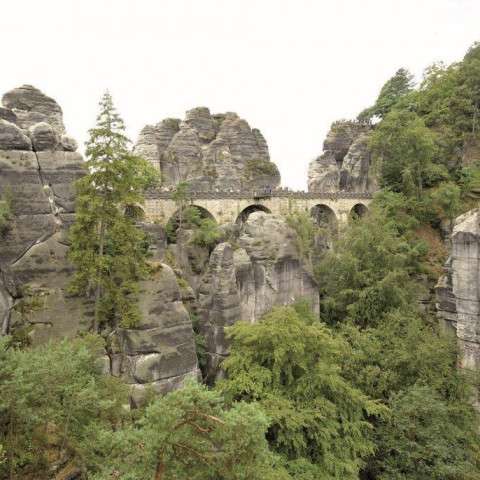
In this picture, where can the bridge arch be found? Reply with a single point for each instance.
(247, 211)
(183, 216)
(325, 217)
(359, 210)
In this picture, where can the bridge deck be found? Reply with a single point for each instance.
(248, 195)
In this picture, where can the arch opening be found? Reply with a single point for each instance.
(359, 210)
(246, 212)
(188, 217)
(325, 217)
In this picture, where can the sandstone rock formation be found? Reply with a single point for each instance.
(458, 291)
(209, 151)
(38, 167)
(242, 283)
(37, 175)
(160, 352)
(345, 162)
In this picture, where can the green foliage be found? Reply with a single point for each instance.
(5, 213)
(306, 230)
(368, 272)
(54, 401)
(427, 437)
(207, 234)
(256, 167)
(205, 229)
(107, 248)
(188, 435)
(391, 93)
(404, 148)
(291, 367)
(447, 198)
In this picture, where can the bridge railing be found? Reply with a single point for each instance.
(154, 194)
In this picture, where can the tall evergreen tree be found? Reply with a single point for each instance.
(107, 248)
(393, 90)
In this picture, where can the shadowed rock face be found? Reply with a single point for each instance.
(265, 270)
(209, 151)
(458, 291)
(345, 163)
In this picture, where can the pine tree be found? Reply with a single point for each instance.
(107, 248)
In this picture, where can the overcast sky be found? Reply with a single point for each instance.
(289, 67)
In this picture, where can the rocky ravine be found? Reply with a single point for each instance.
(345, 164)
(211, 152)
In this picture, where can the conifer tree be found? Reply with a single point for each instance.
(107, 248)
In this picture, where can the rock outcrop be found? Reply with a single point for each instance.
(38, 168)
(209, 151)
(345, 163)
(37, 175)
(263, 270)
(458, 291)
(160, 352)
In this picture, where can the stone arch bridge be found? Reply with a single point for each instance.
(228, 207)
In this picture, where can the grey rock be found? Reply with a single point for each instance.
(200, 119)
(69, 144)
(32, 106)
(43, 137)
(211, 152)
(243, 284)
(458, 292)
(12, 137)
(356, 173)
(162, 347)
(345, 162)
(8, 115)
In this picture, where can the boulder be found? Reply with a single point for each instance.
(69, 144)
(12, 137)
(43, 137)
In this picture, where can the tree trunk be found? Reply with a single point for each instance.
(160, 470)
(98, 291)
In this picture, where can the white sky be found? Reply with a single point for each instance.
(288, 67)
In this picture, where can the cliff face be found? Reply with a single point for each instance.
(458, 291)
(345, 164)
(38, 167)
(211, 152)
(243, 281)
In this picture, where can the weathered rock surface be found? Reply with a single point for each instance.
(43, 137)
(38, 169)
(209, 151)
(264, 270)
(37, 176)
(160, 352)
(13, 138)
(345, 163)
(458, 291)
(31, 106)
